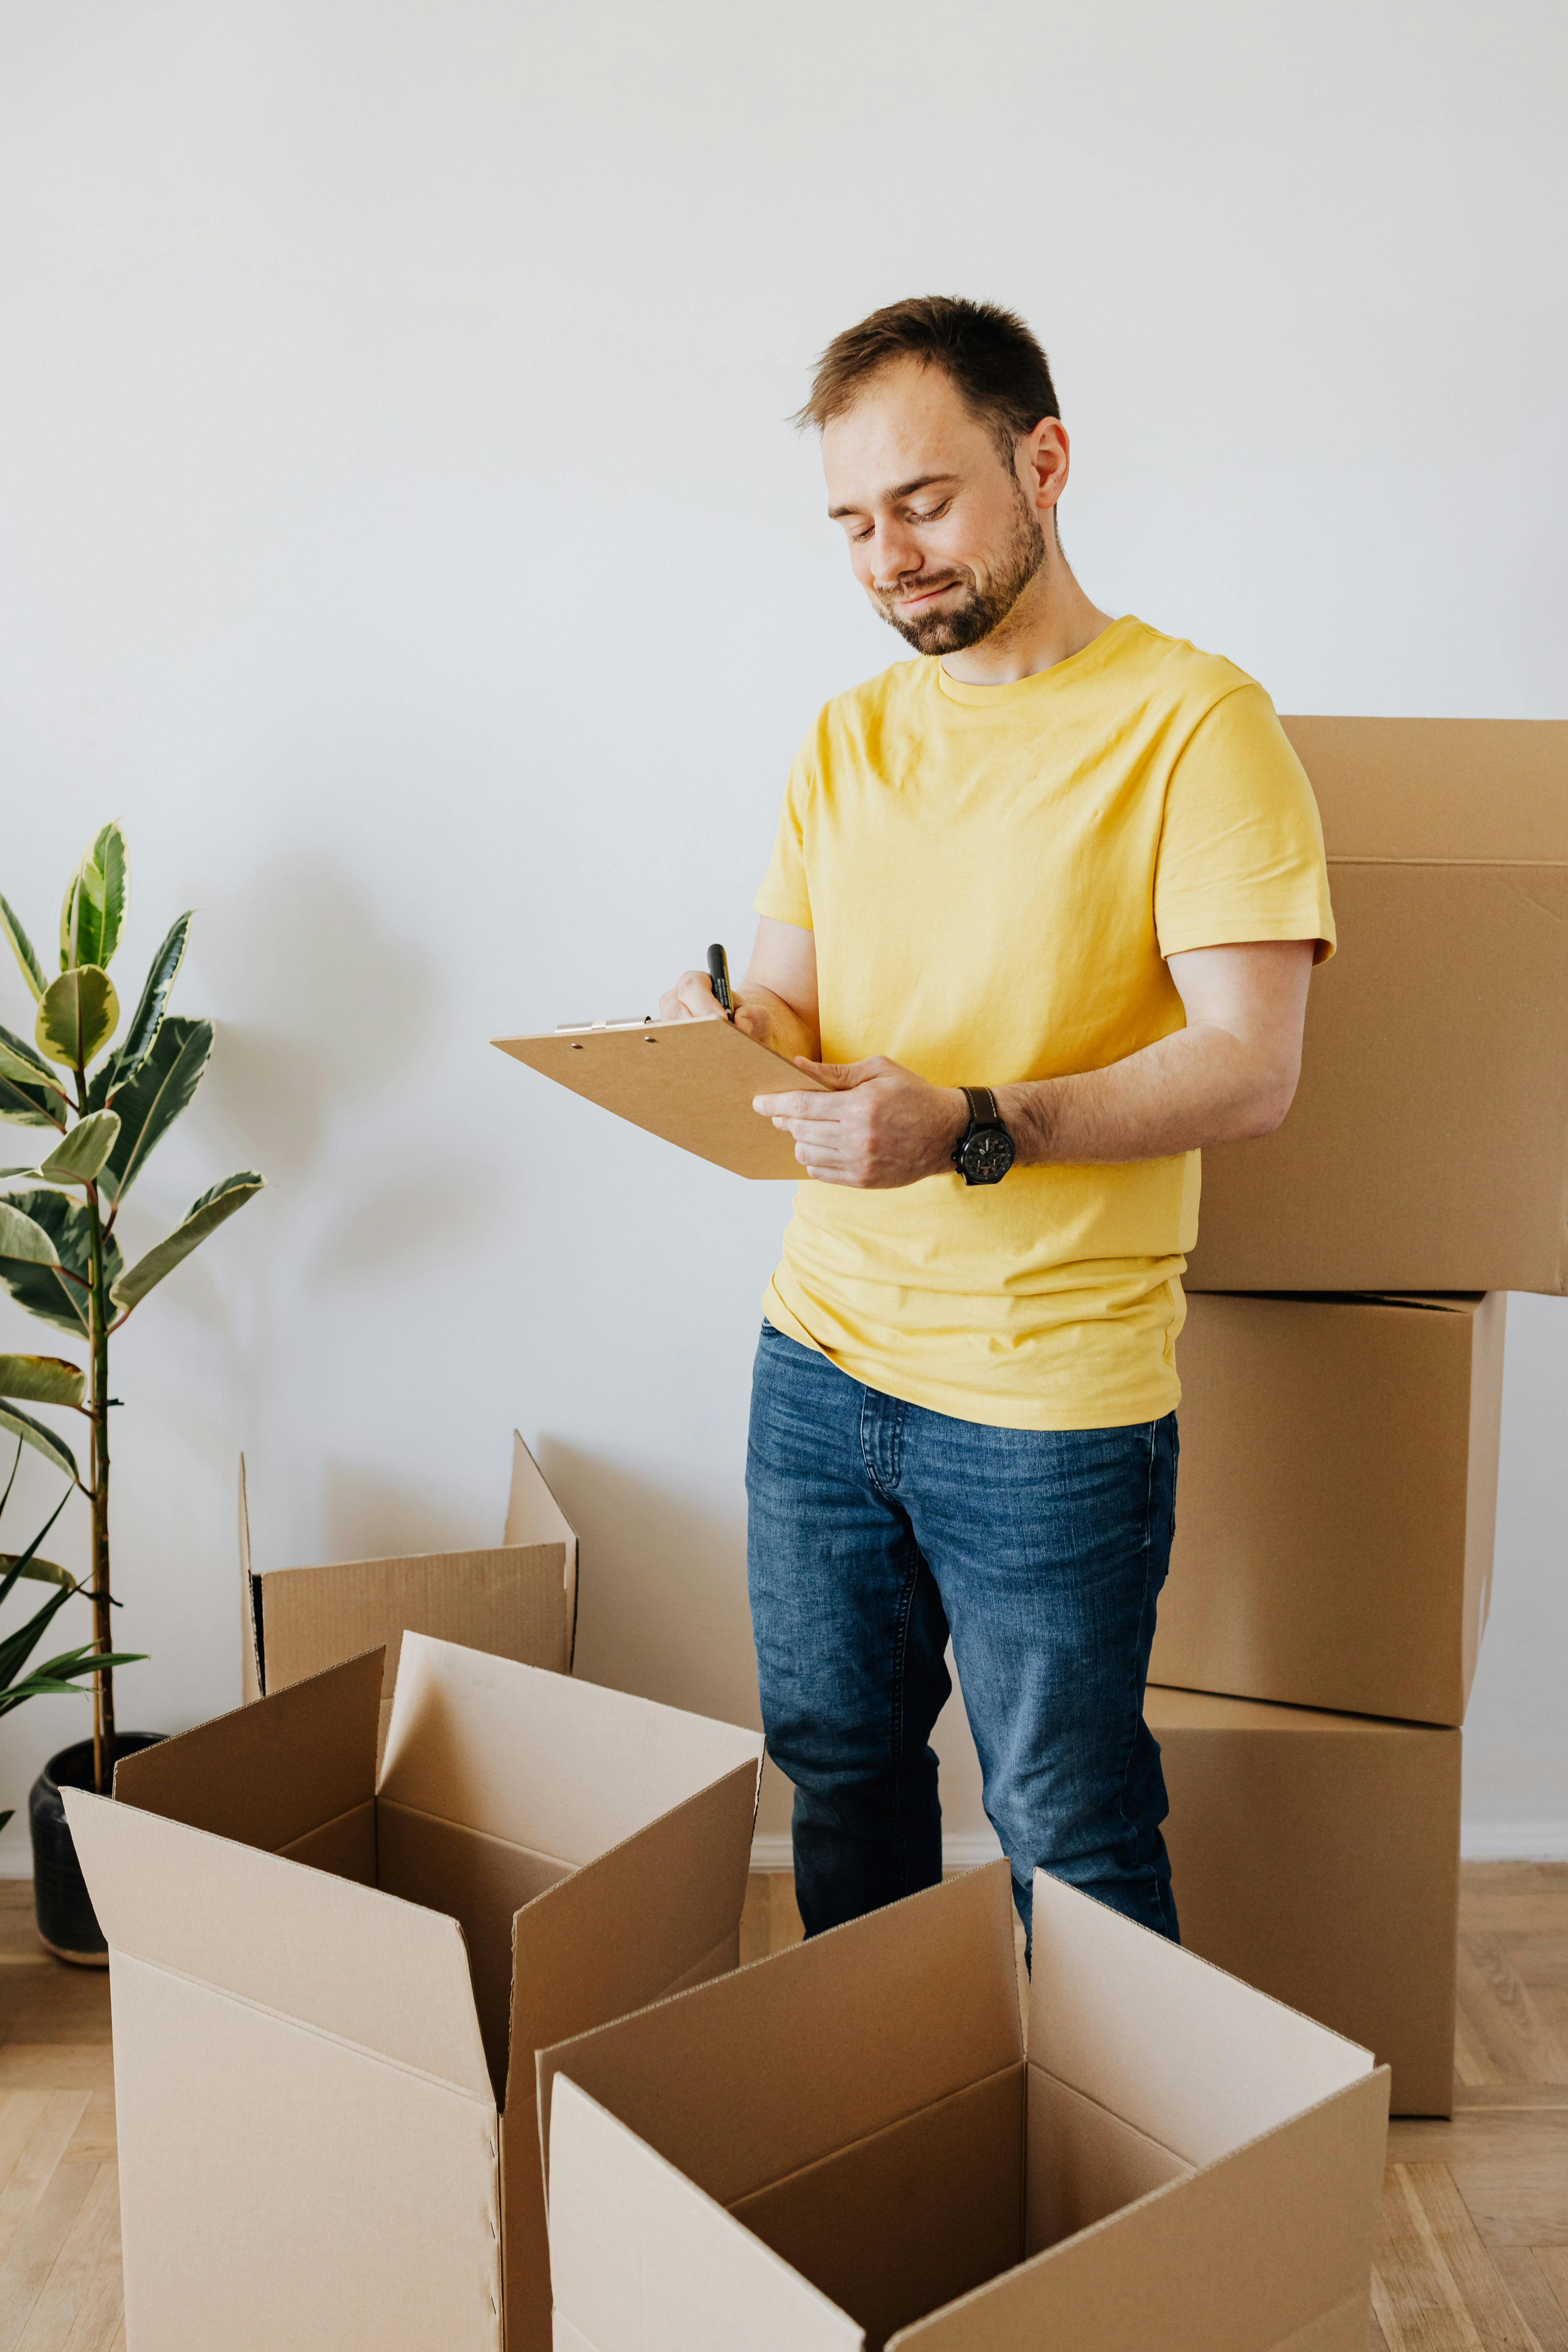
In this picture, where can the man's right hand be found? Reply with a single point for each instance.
(692, 999)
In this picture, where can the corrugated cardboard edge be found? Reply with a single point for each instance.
(1487, 1336)
(253, 1681)
(531, 1505)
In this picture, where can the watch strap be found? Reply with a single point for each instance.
(984, 1110)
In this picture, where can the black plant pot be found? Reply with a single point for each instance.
(65, 1914)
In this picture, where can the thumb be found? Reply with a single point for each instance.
(837, 1075)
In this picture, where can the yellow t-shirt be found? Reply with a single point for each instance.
(995, 876)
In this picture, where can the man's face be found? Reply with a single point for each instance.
(943, 535)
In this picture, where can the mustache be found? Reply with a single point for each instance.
(924, 583)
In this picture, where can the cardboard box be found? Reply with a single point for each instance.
(1318, 1856)
(844, 2146)
(517, 1600)
(1427, 1148)
(1336, 1503)
(329, 1985)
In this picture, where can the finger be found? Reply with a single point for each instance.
(781, 1109)
(844, 1073)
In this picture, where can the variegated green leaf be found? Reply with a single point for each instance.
(39, 1571)
(42, 1380)
(147, 1018)
(22, 948)
(214, 1209)
(20, 1060)
(150, 1102)
(24, 1239)
(78, 1016)
(58, 1292)
(80, 1158)
(26, 1106)
(109, 856)
(41, 1437)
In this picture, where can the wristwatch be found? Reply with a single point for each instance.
(984, 1151)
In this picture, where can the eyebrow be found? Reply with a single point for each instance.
(903, 490)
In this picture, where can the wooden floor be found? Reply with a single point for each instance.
(1475, 2243)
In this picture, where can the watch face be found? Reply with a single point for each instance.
(988, 1155)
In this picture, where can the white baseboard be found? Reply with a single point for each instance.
(1513, 1842)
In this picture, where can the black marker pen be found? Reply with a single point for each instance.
(719, 973)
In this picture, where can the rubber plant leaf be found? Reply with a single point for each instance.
(42, 1380)
(39, 1435)
(214, 1209)
(78, 1016)
(47, 1290)
(41, 1571)
(80, 1158)
(22, 948)
(147, 1018)
(26, 1106)
(109, 856)
(148, 1103)
(20, 1060)
(23, 1238)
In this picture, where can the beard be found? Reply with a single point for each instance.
(979, 610)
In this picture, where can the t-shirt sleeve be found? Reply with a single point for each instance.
(786, 893)
(1241, 849)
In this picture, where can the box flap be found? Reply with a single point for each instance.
(509, 1600)
(1262, 2251)
(1492, 791)
(633, 1925)
(758, 2073)
(385, 1976)
(642, 2261)
(271, 1771)
(252, 1681)
(534, 1517)
(561, 1767)
(1197, 2060)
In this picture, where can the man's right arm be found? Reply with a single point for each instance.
(777, 1001)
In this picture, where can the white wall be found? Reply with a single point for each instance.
(399, 529)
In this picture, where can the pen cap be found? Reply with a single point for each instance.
(719, 973)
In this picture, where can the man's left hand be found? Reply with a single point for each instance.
(880, 1125)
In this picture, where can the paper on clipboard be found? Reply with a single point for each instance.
(690, 1082)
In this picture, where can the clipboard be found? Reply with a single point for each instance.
(690, 1082)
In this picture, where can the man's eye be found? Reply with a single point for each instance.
(928, 514)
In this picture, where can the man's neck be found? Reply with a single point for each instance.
(1052, 620)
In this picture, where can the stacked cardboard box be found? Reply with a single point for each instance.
(1341, 1374)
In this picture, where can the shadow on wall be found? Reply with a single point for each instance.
(663, 1609)
(335, 1010)
(365, 1514)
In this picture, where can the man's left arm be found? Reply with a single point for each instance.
(1230, 1075)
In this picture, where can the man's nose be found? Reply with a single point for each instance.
(894, 555)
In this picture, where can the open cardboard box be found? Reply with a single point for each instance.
(845, 2145)
(1317, 1855)
(329, 1985)
(1333, 1542)
(1428, 1147)
(517, 1600)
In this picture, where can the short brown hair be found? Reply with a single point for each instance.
(986, 353)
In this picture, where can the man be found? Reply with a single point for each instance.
(1041, 915)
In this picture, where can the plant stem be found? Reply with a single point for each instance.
(98, 1405)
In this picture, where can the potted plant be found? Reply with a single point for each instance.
(108, 1106)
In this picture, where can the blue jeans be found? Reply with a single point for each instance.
(875, 1529)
